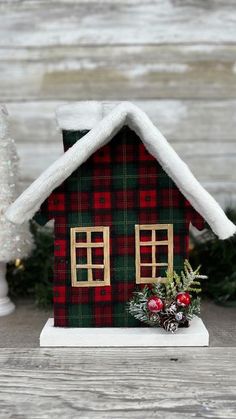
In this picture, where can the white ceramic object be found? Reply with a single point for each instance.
(6, 305)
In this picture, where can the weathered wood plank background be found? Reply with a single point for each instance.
(176, 59)
(118, 383)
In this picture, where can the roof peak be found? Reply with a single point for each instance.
(86, 114)
(125, 113)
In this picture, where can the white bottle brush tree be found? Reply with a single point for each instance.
(15, 240)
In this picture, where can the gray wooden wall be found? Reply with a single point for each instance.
(174, 58)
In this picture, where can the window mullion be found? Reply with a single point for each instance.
(153, 253)
(106, 256)
(89, 257)
(137, 253)
(170, 247)
(73, 257)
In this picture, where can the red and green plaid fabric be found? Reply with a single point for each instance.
(119, 186)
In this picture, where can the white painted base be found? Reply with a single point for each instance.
(195, 335)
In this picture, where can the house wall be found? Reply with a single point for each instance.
(119, 186)
(174, 59)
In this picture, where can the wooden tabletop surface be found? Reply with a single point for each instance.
(118, 383)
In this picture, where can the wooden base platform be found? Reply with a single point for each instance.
(195, 335)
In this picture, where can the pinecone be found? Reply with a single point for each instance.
(171, 309)
(184, 323)
(169, 323)
(170, 326)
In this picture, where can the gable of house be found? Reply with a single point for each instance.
(104, 129)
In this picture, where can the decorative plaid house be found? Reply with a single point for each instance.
(122, 201)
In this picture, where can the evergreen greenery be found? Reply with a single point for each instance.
(218, 260)
(33, 276)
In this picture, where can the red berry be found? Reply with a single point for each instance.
(183, 299)
(155, 304)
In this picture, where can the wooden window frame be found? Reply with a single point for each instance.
(89, 245)
(153, 244)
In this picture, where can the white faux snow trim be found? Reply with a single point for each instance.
(103, 131)
(83, 115)
(79, 115)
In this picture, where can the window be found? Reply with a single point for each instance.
(90, 258)
(154, 252)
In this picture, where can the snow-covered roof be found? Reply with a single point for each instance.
(104, 121)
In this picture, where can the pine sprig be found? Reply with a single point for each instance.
(158, 289)
(190, 278)
(170, 285)
(194, 309)
(172, 314)
(187, 281)
(138, 305)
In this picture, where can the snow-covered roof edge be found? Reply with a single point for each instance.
(103, 129)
